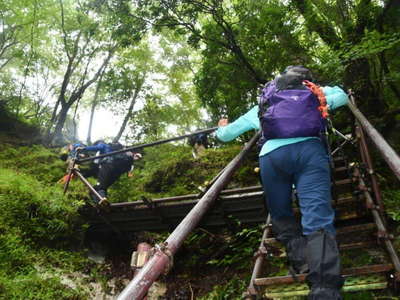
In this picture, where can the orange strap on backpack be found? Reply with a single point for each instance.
(317, 91)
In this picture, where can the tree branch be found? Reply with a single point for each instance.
(316, 24)
(63, 29)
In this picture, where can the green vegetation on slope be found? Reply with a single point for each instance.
(40, 228)
(36, 224)
(41, 232)
(171, 170)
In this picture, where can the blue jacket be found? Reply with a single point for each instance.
(335, 97)
(101, 147)
(74, 146)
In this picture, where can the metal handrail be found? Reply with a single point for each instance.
(139, 147)
(388, 154)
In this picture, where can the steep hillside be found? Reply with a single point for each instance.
(45, 246)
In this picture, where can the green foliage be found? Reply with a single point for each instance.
(237, 45)
(231, 290)
(37, 227)
(36, 160)
(14, 255)
(34, 286)
(241, 247)
(360, 296)
(171, 170)
(225, 83)
(360, 257)
(392, 203)
(372, 43)
(41, 214)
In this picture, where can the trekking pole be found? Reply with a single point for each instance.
(71, 167)
(209, 130)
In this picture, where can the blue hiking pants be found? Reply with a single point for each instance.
(306, 166)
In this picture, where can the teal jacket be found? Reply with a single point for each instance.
(335, 97)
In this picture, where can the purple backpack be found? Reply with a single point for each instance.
(289, 113)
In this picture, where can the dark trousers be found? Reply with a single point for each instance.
(306, 166)
(91, 171)
(110, 171)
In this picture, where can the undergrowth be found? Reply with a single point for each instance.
(41, 231)
(171, 170)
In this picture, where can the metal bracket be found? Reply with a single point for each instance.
(139, 259)
(150, 204)
(163, 247)
(260, 252)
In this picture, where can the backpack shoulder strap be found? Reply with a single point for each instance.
(319, 93)
(266, 93)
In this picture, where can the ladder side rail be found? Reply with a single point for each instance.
(367, 161)
(382, 231)
(162, 259)
(98, 196)
(389, 155)
(260, 255)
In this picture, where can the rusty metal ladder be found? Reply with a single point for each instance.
(361, 230)
(359, 212)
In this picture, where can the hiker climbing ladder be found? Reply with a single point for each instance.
(100, 197)
(359, 214)
(360, 225)
(355, 230)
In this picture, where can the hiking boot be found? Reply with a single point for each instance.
(102, 193)
(94, 198)
(324, 277)
(104, 202)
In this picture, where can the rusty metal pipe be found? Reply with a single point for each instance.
(88, 185)
(187, 197)
(162, 258)
(147, 145)
(251, 290)
(71, 167)
(367, 160)
(381, 227)
(390, 156)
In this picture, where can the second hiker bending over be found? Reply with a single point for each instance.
(291, 114)
(110, 167)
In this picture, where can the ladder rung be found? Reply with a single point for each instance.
(371, 269)
(352, 284)
(339, 231)
(341, 169)
(343, 182)
(348, 246)
(338, 158)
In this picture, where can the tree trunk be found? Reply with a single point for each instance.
(128, 114)
(93, 108)
(56, 137)
(76, 95)
(89, 133)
